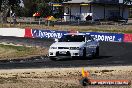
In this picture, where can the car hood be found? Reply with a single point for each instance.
(68, 44)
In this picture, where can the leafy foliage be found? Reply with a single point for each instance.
(13, 3)
(42, 6)
(31, 6)
(6, 6)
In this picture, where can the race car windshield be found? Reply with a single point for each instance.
(72, 38)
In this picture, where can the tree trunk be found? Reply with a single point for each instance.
(3, 16)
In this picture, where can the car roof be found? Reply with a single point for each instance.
(75, 34)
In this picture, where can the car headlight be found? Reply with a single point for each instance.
(74, 48)
(53, 47)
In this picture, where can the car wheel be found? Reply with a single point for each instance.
(84, 52)
(53, 59)
(97, 52)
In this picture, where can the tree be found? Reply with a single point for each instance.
(29, 7)
(44, 9)
(6, 6)
(41, 6)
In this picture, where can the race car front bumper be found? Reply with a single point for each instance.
(66, 53)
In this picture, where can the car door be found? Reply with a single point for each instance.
(90, 45)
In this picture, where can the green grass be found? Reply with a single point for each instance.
(16, 52)
(18, 48)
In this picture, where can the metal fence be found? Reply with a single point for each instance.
(43, 21)
(29, 20)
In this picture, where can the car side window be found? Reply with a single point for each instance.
(89, 38)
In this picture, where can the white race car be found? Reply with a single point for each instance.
(74, 45)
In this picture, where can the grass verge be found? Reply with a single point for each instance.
(15, 52)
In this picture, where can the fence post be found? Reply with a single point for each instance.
(30, 20)
(39, 21)
(10, 15)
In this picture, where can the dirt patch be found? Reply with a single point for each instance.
(61, 77)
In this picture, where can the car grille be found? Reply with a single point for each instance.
(63, 47)
(60, 54)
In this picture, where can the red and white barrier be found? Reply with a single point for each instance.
(28, 33)
(15, 32)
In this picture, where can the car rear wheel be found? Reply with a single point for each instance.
(84, 52)
(97, 52)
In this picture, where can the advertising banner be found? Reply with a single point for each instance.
(127, 37)
(110, 37)
(47, 33)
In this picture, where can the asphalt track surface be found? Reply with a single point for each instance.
(111, 54)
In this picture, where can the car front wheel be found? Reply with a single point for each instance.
(84, 52)
(53, 58)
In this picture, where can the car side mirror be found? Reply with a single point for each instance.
(56, 40)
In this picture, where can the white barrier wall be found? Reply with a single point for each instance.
(16, 32)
